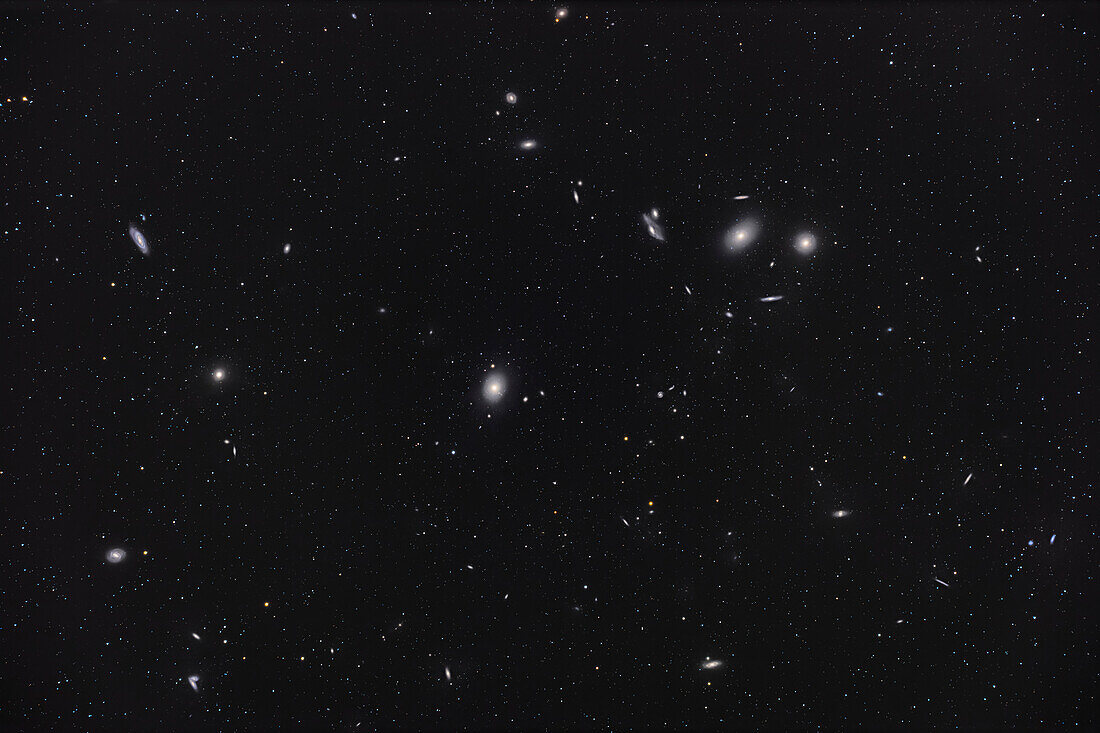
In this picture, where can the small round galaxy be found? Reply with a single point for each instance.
(218, 375)
(805, 243)
(116, 555)
(511, 98)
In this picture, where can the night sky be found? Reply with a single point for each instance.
(444, 366)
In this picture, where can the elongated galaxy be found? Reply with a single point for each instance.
(139, 239)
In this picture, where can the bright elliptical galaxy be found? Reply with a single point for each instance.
(459, 366)
(494, 387)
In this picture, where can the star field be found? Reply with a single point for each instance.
(548, 367)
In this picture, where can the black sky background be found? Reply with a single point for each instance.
(427, 249)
